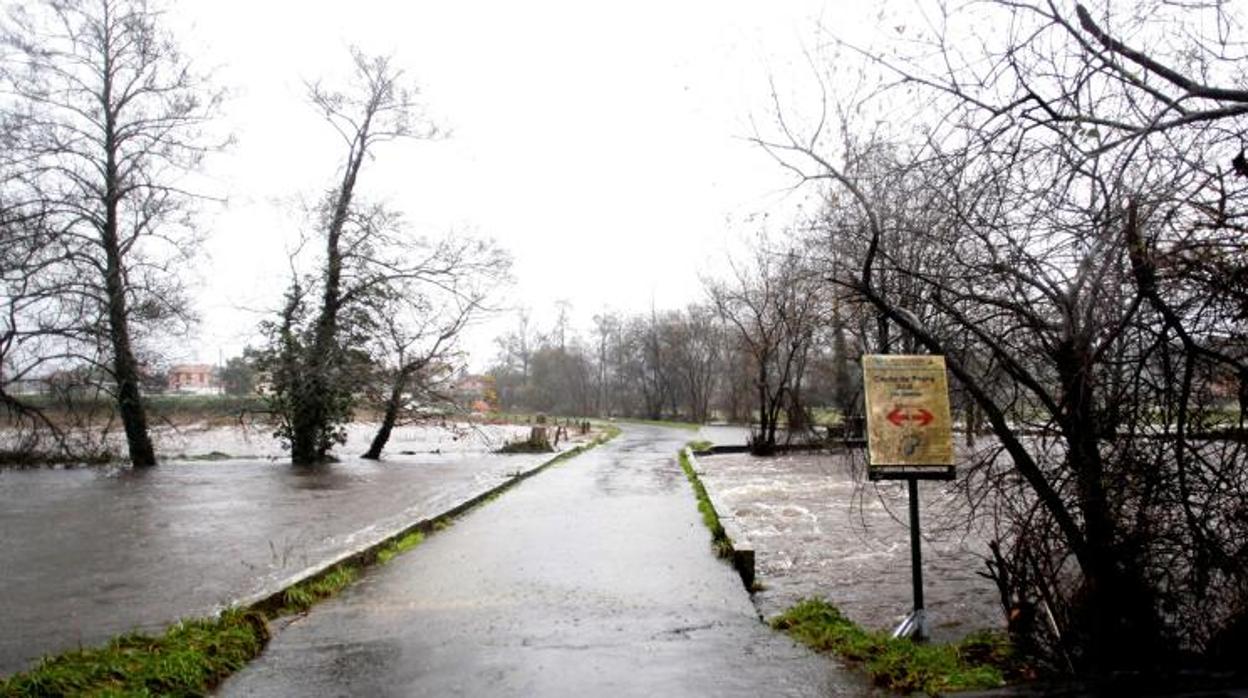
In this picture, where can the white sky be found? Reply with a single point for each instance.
(601, 143)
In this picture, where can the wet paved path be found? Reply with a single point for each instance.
(593, 579)
(91, 553)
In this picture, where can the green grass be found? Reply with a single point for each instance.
(826, 416)
(719, 539)
(399, 546)
(700, 445)
(688, 426)
(530, 418)
(979, 662)
(305, 594)
(189, 659)
(204, 404)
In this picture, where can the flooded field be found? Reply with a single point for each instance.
(818, 532)
(88, 553)
(257, 441)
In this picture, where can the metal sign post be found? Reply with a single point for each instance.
(909, 437)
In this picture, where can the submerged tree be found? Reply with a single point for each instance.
(446, 285)
(112, 119)
(316, 346)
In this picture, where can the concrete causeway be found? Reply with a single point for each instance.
(594, 578)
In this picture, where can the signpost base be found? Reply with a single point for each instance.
(913, 626)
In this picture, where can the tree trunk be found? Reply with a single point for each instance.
(1120, 622)
(765, 445)
(393, 405)
(972, 423)
(125, 367)
(130, 400)
(304, 427)
(303, 446)
(310, 441)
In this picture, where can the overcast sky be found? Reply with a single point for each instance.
(601, 143)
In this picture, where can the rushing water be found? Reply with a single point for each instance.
(819, 531)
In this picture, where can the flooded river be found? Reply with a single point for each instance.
(88, 553)
(817, 531)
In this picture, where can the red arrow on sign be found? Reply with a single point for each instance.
(899, 416)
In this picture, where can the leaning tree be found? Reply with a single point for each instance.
(317, 350)
(420, 315)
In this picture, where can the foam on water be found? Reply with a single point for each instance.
(818, 532)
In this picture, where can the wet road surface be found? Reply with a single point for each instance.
(595, 579)
(90, 553)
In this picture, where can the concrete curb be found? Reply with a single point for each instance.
(272, 599)
(742, 552)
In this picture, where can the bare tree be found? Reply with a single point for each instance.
(27, 349)
(313, 386)
(422, 316)
(696, 342)
(1071, 184)
(644, 366)
(607, 329)
(774, 308)
(112, 119)
(656, 365)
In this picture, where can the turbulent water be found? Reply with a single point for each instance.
(818, 531)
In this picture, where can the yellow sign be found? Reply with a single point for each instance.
(907, 410)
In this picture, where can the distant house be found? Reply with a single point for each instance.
(474, 391)
(194, 378)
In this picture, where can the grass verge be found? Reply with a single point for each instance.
(306, 594)
(688, 426)
(400, 545)
(979, 662)
(194, 656)
(189, 659)
(719, 539)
